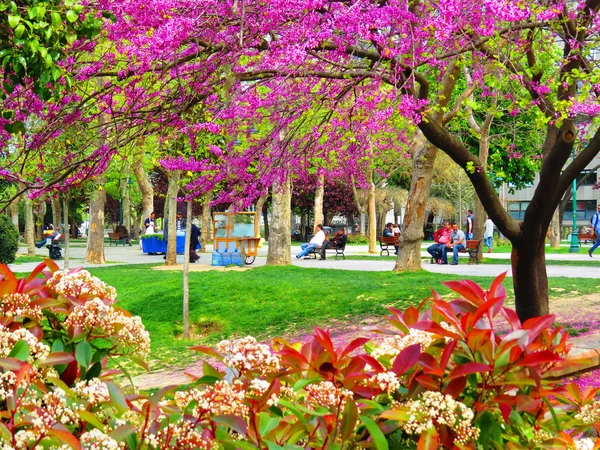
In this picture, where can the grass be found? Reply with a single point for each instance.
(273, 301)
(22, 259)
(549, 262)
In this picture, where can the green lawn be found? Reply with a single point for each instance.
(271, 301)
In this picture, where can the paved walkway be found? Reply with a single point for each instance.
(133, 255)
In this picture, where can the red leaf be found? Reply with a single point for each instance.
(12, 364)
(447, 353)
(411, 315)
(428, 382)
(358, 342)
(406, 359)
(467, 369)
(527, 404)
(497, 288)
(483, 309)
(372, 362)
(51, 265)
(207, 351)
(535, 325)
(505, 410)
(323, 338)
(446, 311)
(538, 358)
(455, 387)
(430, 365)
(39, 269)
(65, 437)
(462, 306)
(468, 289)
(433, 327)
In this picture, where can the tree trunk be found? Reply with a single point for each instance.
(530, 279)
(186, 272)
(172, 192)
(409, 251)
(126, 199)
(40, 212)
(363, 223)
(206, 228)
(14, 212)
(280, 236)
(319, 197)
(56, 212)
(67, 229)
(95, 242)
(555, 230)
(265, 215)
(302, 226)
(260, 204)
(144, 184)
(29, 226)
(372, 217)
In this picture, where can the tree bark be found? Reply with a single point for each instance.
(372, 216)
(319, 197)
(260, 204)
(409, 251)
(280, 236)
(29, 226)
(206, 228)
(144, 184)
(530, 279)
(14, 212)
(67, 230)
(555, 231)
(126, 199)
(57, 212)
(186, 272)
(95, 242)
(172, 191)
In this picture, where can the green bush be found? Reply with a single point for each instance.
(9, 240)
(357, 239)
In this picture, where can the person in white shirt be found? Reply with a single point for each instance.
(315, 242)
(488, 234)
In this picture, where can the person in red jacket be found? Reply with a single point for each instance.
(441, 237)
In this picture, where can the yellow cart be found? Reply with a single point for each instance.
(232, 231)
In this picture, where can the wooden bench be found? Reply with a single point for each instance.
(116, 238)
(472, 248)
(339, 251)
(385, 242)
(586, 237)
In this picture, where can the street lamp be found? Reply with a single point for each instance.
(574, 248)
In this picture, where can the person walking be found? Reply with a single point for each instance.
(315, 242)
(596, 225)
(470, 224)
(488, 234)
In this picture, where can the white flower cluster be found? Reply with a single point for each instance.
(18, 306)
(258, 387)
(92, 391)
(385, 381)
(8, 339)
(43, 413)
(181, 435)
(81, 284)
(584, 444)
(222, 398)
(326, 394)
(105, 321)
(589, 413)
(393, 345)
(434, 408)
(97, 440)
(247, 354)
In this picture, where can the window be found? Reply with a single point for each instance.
(590, 180)
(585, 210)
(517, 210)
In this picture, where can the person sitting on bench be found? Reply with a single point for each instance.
(388, 231)
(338, 241)
(123, 232)
(315, 242)
(457, 243)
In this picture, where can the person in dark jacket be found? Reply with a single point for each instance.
(338, 241)
(194, 242)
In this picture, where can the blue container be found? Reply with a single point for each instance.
(216, 259)
(236, 258)
(225, 258)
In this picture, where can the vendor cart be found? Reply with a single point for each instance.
(237, 231)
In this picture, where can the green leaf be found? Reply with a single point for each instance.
(71, 38)
(20, 30)
(32, 12)
(72, 16)
(91, 419)
(13, 21)
(116, 394)
(83, 352)
(301, 383)
(267, 423)
(41, 12)
(35, 45)
(94, 371)
(378, 437)
(20, 351)
(56, 20)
